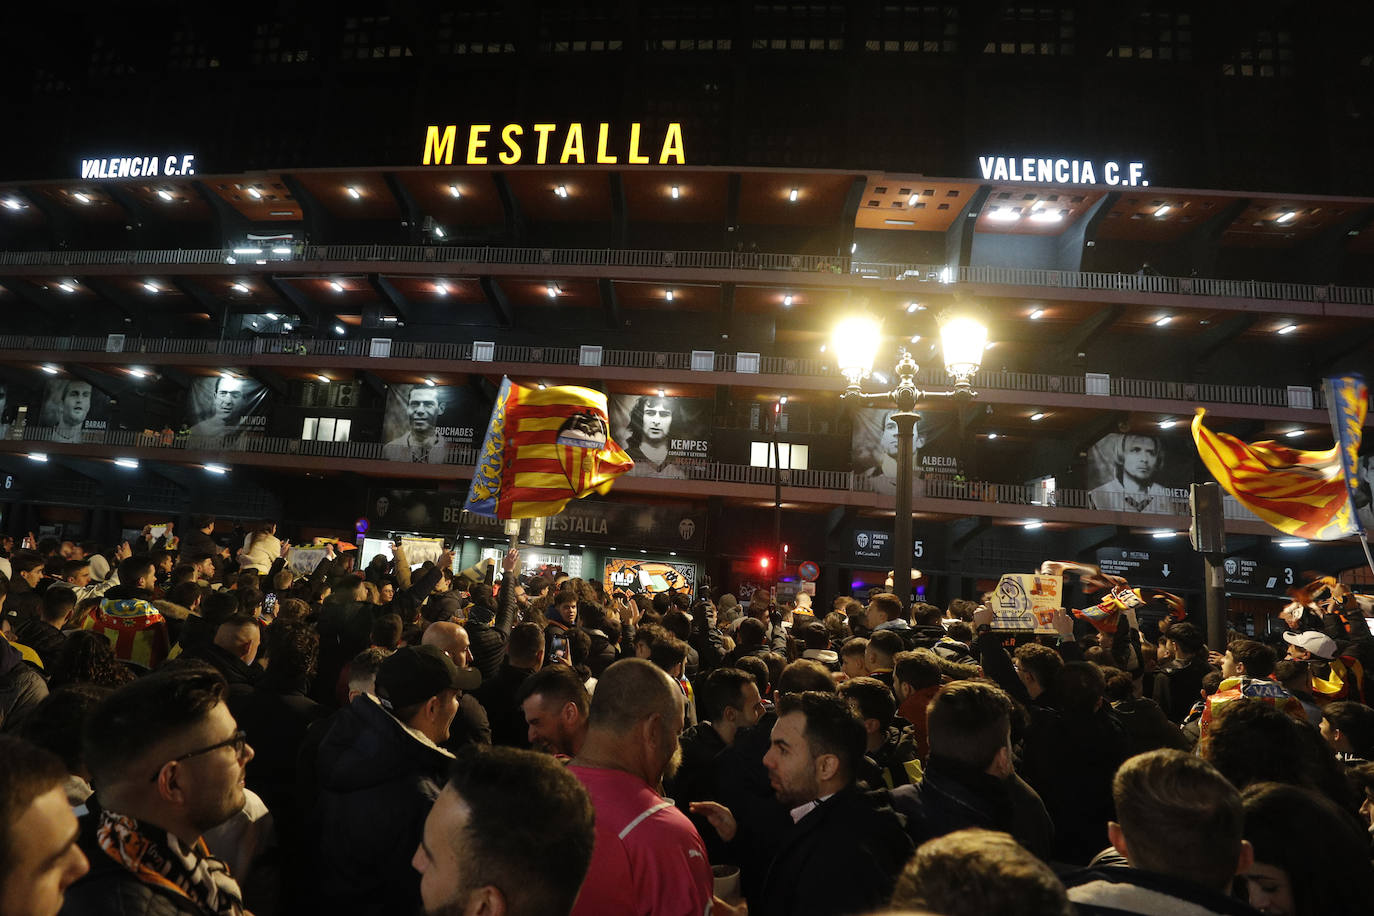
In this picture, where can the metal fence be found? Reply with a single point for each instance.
(454, 351)
(704, 260)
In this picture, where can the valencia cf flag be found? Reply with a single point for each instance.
(544, 446)
(1305, 494)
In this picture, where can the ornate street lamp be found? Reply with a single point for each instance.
(856, 342)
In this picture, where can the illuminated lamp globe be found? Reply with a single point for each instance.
(963, 341)
(856, 344)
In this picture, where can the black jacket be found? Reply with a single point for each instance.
(235, 670)
(276, 714)
(109, 889)
(42, 637)
(741, 784)
(21, 686)
(851, 834)
(345, 630)
(952, 796)
(499, 697)
(1146, 726)
(1176, 689)
(377, 782)
(489, 628)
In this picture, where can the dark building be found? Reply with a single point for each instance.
(292, 243)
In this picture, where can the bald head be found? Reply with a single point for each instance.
(449, 638)
(631, 691)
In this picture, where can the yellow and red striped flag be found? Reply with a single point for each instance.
(544, 446)
(1304, 494)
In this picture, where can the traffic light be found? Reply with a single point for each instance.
(764, 563)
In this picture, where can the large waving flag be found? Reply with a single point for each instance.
(1305, 494)
(544, 446)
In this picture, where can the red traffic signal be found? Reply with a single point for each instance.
(764, 562)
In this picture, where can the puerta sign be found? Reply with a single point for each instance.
(874, 547)
(667, 527)
(1247, 574)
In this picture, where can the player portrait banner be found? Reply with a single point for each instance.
(666, 437)
(220, 407)
(421, 422)
(544, 447)
(74, 410)
(625, 576)
(873, 448)
(1139, 472)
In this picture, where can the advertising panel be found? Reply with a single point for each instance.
(227, 406)
(1139, 472)
(74, 410)
(664, 436)
(422, 421)
(627, 576)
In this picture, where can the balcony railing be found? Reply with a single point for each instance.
(1168, 511)
(707, 260)
(649, 360)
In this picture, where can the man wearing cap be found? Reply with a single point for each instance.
(1333, 676)
(380, 770)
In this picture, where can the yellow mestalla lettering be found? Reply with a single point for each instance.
(437, 148)
(573, 145)
(671, 148)
(508, 135)
(543, 131)
(601, 155)
(476, 142)
(635, 158)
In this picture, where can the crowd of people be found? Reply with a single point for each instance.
(190, 727)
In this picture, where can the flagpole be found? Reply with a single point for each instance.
(1364, 542)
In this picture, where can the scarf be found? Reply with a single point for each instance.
(156, 857)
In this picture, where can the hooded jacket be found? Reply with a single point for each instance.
(377, 781)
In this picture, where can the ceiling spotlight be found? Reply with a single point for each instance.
(430, 382)
(561, 190)
(288, 326)
(337, 286)
(1047, 216)
(215, 468)
(1037, 416)
(247, 251)
(668, 295)
(438, 231)
(911, 201)
(441, 289)
(151, 287)
(453, 191)
(255, 193)
(66, 287)
(911, 307)
(1288, 329)
(1165, 534)
(822, 348)
(281, 250)
(1292, 542)
(542, 386)
(323, 378)
(676, 193)
(127, 462)
(50, 369)
(338, 329)
(1168, 424)
(992, 435)
(1286, 217)
(1037, 314)
(12, 204)
(793, 196)
(239, 288)
(1031, 526)
(853, 247)
(1004, 214)
(82, 197)
(1163, 320)
(353, 192)
(37, 456)
(915, 338)
(552, 290)
(1294, 433)
(1163, 210)
(164, 194)
(787, 300)
(272, 316)
(660, 392)
(138, 373)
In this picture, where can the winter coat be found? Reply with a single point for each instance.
(21, 686)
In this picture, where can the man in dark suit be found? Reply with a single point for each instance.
(817, 745)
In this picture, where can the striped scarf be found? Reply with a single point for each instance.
(156, 857)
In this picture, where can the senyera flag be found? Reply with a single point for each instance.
(544, 446)
(1305, 494)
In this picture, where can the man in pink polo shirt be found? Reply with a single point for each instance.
(648, 857)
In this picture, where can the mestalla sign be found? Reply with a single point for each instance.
(540, 144)
(1042, 170)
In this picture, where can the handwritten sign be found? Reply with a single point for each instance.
(1027, 601)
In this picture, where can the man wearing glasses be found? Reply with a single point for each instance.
(167, 761)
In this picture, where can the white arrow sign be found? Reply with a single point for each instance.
(1166, 570)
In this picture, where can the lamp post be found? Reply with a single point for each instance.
(856, 343)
